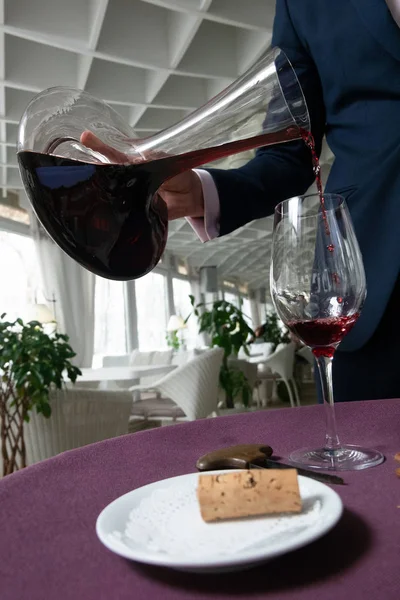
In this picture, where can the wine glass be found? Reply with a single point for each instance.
(318, 288)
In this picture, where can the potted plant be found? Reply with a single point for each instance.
(172, 340)
(175, 325)
(271, 331)
(32, 363)
(227, 327)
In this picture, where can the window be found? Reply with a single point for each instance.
(109, 326)
(229, 284)
(19, 273)
(265, 308)
(183, 308)
(232, 298)
(151, 306)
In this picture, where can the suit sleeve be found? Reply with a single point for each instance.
(281, 171)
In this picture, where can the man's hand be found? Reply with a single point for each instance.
(183, 194)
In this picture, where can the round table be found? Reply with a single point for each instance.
(49, 549)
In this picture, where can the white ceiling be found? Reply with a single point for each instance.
(154, 61)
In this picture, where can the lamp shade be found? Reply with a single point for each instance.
(175, 323)
(39, 312)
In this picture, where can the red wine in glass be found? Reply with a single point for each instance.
(323, 335)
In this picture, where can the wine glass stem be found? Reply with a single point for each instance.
(325, 373)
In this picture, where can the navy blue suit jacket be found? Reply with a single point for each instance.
(346, 54)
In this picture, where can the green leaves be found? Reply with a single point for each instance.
(44, 408)
(225, 324)
(173, 340)
(72, 373)
(32, 362)
(228, 329)
(273, 331)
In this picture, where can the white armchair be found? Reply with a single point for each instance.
(190, 391)
(139, 358)
(79, 417)
(116, 360)
(163, 357)
(258, 352)
(136, 358)
(280, 367)
(306, 353)
(183, 356)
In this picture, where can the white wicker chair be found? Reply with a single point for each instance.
(135, 359)
(258, 352)
(79, 417)
(116, 360)
(183, 356)
(138, 358)
(163, 357)
(190, 391)
(279, 367)
(306, 353)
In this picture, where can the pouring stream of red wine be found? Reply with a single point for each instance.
(309, 141)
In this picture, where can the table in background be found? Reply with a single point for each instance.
(123, 373)
(49, 548)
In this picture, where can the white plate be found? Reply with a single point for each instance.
(160, 524)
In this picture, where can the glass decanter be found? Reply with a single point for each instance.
(100, 203)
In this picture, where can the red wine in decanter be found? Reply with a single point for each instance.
(109, 217)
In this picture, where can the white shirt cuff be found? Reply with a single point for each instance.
(207, 227)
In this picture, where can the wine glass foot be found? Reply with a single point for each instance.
(345, 458)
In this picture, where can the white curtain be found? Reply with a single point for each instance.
(73, 289)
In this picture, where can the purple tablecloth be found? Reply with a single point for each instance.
(49, 549)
